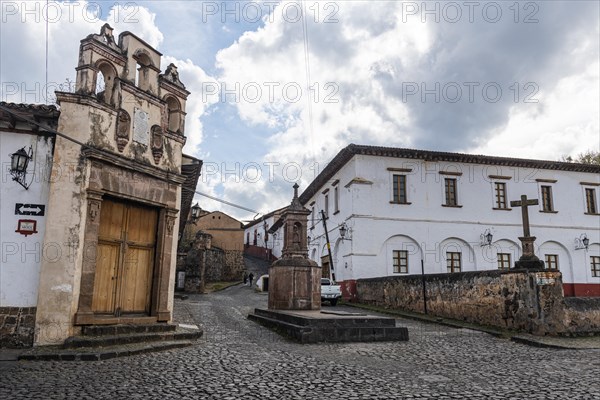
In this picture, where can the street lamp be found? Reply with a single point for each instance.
(19, 161)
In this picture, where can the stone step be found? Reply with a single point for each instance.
(104, 340)
(316, 330)
(327, 319)
(120, 329)
(47, 353)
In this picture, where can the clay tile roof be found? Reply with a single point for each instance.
(191, 171)
(351, 150)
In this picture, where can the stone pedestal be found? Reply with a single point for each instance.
(528, 260)
(294, 284)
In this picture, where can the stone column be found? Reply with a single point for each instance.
(167, 231)
(85, 314)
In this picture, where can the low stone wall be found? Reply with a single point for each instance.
(204, 263)
(582, 315)
(526, 301)
(17, 326)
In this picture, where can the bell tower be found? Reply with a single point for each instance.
(121, 188)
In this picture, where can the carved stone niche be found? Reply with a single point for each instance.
(123, 128)
(157, 143)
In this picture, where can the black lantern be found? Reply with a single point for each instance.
(489, 237)
(196, 212)
(343, 230)
(485, 239)
(19, 161)
(582, 242)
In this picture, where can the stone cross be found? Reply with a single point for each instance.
(524, 203)
(528, 260)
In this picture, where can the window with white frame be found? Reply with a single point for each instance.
(326, 206)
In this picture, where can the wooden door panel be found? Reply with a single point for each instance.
(137, 280)
(107, 260)
(142, 225)
(125, 258)
(112, 220)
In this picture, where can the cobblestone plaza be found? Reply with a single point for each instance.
(238, 359)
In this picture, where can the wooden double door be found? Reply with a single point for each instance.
(125, 258)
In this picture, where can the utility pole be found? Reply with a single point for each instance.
(328, 245)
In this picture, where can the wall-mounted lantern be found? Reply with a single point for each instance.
(486, 238)
(582, 242)
(19, 161)
(344, 230)
(196, 212)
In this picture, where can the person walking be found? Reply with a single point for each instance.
(250, 278)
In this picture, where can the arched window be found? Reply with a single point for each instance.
(105, 82)
(173, 113)
(143, 64)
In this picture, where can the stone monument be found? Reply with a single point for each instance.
(528, 260)
(294, 308)
(294, 279)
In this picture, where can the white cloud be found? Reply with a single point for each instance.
(376, 48)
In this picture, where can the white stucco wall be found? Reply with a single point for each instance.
(274, 242)
(427, 229)
(22, 255)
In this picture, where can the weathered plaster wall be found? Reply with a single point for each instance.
(21, 256)
(525, 301)
(59, 276)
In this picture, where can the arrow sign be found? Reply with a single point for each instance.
(30, 209)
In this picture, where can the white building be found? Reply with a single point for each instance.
(260, 240)
(23, 216)
(402, 207)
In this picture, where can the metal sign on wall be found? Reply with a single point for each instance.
(30, 209)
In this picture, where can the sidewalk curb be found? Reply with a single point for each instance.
(517, 337)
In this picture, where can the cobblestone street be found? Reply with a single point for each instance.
(237, 359)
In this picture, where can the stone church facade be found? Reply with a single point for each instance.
(114, 193)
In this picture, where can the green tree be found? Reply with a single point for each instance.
(589, 157)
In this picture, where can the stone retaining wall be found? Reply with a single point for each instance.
(17, 326)
(204, 263)
(525, 301)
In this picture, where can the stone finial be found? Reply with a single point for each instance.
(172, 75)
(106, 36)
(296, 205)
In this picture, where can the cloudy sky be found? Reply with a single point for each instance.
(279, 87)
